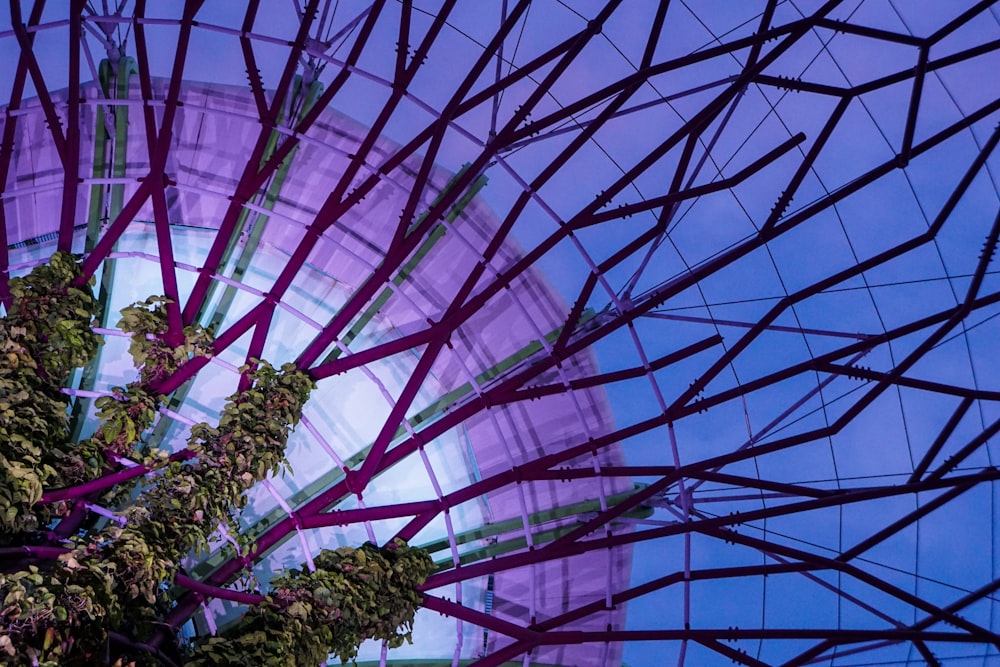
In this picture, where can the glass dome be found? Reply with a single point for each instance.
(669, 329)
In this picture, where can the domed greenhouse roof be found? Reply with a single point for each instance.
(668, 329)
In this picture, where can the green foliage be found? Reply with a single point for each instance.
(353, 595)
(54, 317)
(246, 444)
(124, 416)
(60, 611)
(156, 360)
(44, 336)
(59, 616)
(185, 505)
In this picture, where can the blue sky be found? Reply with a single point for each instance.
(886, 440)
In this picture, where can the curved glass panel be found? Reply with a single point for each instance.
(668, 328)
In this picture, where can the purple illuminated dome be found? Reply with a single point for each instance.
(671, 330)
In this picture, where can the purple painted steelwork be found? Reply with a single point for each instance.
(441, 324)
(28, 55)
(71, 158)
(158, 143)
(570, 545)
(7, 150)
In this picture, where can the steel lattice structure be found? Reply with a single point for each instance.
(670, 308)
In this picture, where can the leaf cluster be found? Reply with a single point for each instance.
(46, 334)
(119, 577)
(125, 571)
(57, 620)
(351, 596)
(156, 358)
(55, 315)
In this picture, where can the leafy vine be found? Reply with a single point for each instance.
(111, 586)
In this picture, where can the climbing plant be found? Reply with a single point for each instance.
(45, 335)
(350, 596)
(93, 597)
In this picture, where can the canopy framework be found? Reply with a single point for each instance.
(738, 212)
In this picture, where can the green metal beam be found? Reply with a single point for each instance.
(407, 269)
(270, 198)
(516, 524)
(426, 415)
(97, 213)
(242, 264)
(497, 369)
(216, 559)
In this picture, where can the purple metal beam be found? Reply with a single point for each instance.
(570, 544)
(849, 28)
(897, 526)
(960, 20)
(254, 175)
(717, 322)
(107, 242)
(800, 86)
(926, 622)
(253, 72)
(256, 348)
(836, 636)
(975, 632)
(911, 114)
(590, 218)
(206, 591)
(106, 481)
(434, 507)
(400, 83)
(71, 159)
(377, 352)
(478, 618)
(625, 596)
(762, 484)
(864, 373)
(806, 166)
(532, 392)
(401, 250)
(955, 459)
(222, 342)
(158, 147)
(735, 655)
(842, 636)
(297, 46)
(7, 150)
(41, 89)
(403, 44)
(376, 513)
(942, 437)
(933, 65)
(395, 418)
